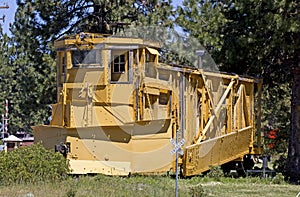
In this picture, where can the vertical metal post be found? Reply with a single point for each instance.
(258, 124)
(130, 66)
(137, 97)
(6, 116)
(3, 123)
(265, 165)
(176, 186)
(177, 149)
(182, 104)
(136, 76)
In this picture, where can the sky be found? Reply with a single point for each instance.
(10, 12)
(177, 2)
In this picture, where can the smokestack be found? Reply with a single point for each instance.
(200, 54)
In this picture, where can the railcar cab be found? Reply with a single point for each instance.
(119, 55)
(101, 63)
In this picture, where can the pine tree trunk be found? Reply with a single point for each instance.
(293, 160)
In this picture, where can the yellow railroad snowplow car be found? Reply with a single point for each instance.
(118, 107)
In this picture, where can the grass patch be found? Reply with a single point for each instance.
(34, 171)
(101, 185)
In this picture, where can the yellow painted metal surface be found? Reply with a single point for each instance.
(118, 107)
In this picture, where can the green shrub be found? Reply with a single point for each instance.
(31, 164)
(215, 172)
(278, 179)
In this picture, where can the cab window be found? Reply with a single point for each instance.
(119, 63)
(85, 57)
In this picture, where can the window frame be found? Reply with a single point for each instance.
(120, 63)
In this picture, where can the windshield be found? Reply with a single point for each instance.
(85, 57)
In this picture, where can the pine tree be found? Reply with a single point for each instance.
(7, 80)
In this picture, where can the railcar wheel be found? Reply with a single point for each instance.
(227, 167)
(248, 162)
(240, 169)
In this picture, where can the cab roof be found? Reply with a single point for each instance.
(92, 39)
